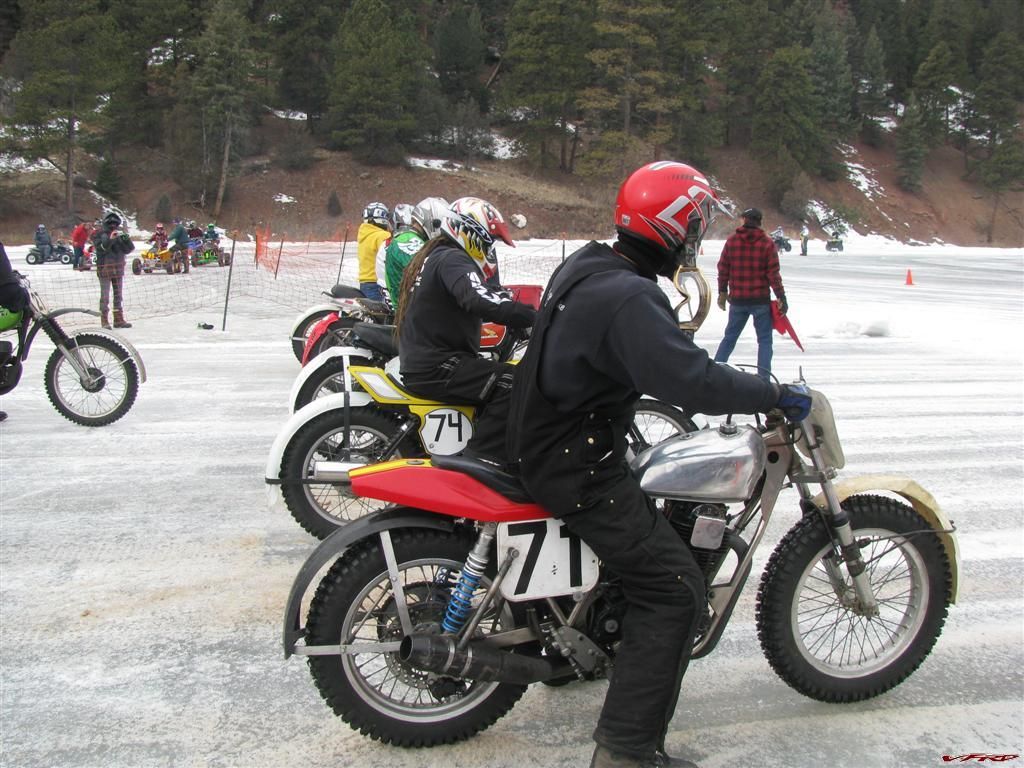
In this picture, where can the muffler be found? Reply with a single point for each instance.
(477, 661)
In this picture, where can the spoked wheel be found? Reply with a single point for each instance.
(322, 507)
(302, 331)
(655, 421)
(105, 394)
(812, 629)
(373, 690)
(339, 334)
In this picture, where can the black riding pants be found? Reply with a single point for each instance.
(666, 597)
(472, 381)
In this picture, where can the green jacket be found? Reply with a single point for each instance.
(400, 251)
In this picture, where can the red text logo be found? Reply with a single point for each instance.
(981, 758)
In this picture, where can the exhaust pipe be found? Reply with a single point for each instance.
(477, 661)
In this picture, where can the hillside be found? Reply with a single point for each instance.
(948, 208)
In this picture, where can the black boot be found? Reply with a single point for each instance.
(606, 758)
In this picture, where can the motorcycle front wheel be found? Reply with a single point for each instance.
(808, 619)
(302, 331)
(106, 394)
(339, 334)
(322, 507)
(328, 380)
(655, 421)
(374, 691)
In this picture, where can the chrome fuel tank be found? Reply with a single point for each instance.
(706, 466)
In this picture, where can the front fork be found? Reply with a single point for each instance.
(842, 533)
(70, 351)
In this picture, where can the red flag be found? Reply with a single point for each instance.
(781, 324)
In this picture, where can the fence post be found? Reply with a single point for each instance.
(344, 243)
(231, 268)
(278, 265)
(563, 246)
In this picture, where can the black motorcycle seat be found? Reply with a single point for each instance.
(379, 338)
(508, 485)
(345, 292)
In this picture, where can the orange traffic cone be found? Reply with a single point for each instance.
(910, 278)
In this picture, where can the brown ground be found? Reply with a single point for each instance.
(948, 208)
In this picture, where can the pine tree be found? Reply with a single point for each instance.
(831, 75)
(871, 96)
(786, 112)
(933, 86)
(459, 51)
(911, 145)
(373, 100)
(743, 51)
(223, 86)
(64, 77)
(333, 204)
(543, 75)
(301, 32)
(162, 212)
(1000, 89)
(1001, 172)
(108, 183)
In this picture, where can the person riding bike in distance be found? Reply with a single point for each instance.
(606, 333)
(444, 300)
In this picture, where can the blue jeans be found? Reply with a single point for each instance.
(371, 291)
(738, 314)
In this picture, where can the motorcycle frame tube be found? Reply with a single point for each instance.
(333, 547)
(922, 502)
(318, 362)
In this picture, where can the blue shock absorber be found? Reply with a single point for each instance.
(460, 603)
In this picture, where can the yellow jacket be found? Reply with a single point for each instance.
(370, 237)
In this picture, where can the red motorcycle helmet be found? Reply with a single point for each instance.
(668, 205)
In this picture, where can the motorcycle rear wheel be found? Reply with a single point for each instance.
(322, 508)
(108, 397)
(816, 640)
(375, 692)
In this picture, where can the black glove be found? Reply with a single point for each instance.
(794, 401)
(783, 305)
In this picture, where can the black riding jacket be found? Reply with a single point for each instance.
(604, 335)
(446, 310)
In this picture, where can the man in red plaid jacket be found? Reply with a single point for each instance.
(748, 268)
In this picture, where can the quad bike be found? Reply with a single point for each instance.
(163, 259)
(92, 377)
(834, 243)
(60, 251)
(210, 252)
(781, 241)
(431, 616)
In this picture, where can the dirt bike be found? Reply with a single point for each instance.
(348, 306)
(60, 251)
(781, 241)
(436, 613)
(92, 377)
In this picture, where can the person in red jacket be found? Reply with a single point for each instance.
(747, 273)
(79, 237)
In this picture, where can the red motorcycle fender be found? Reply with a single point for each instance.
(317, 332)
(335, 545)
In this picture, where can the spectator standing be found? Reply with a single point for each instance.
(79, 237)
(111, 247)
(748, 271)
(804, 234)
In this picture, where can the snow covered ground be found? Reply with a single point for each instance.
(143, 578)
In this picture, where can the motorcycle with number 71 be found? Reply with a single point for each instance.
(437, 611)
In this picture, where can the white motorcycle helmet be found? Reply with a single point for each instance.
(429, 213)
(475, 225)
(402, 216)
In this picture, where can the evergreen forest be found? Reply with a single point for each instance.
(590, 88)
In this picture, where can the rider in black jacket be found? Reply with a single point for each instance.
(604, 334)
(445, 299)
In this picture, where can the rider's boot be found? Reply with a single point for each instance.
(105, 319)
(119, 321)
(606, 758)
